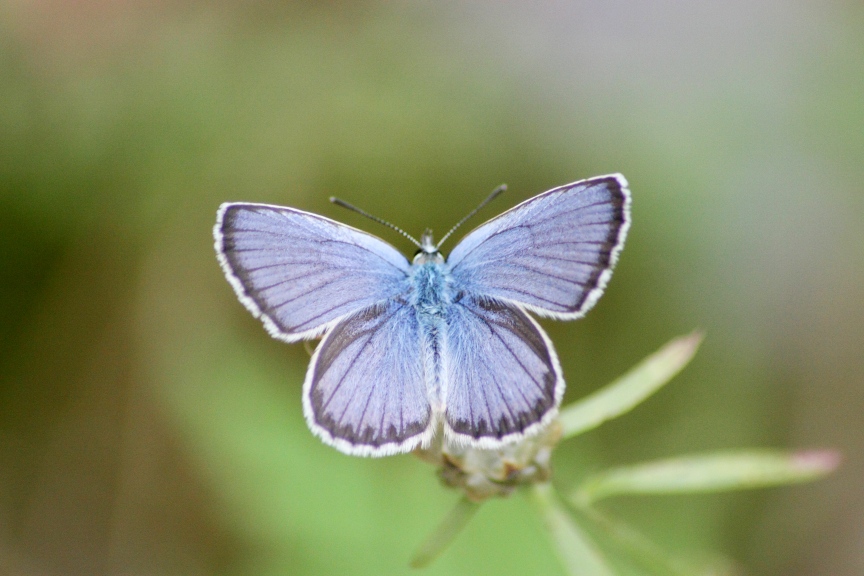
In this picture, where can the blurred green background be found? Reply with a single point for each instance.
(148, 424)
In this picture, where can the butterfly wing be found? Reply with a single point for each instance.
(300, 272)
(552, 254)
(365, 390)
(503, 379)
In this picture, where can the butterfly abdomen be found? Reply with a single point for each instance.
(430, 297)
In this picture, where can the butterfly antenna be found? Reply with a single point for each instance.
(344, 204)
(488, 199)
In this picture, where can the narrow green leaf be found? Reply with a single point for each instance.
(636, 546)
(579, 555)
(629, 390)
(719, 472)
(436, 542)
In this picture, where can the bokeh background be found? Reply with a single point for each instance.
(148, 424)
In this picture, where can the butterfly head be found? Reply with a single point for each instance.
(428, 252)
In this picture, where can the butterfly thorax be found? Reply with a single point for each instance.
(429, 286)
(430, 291)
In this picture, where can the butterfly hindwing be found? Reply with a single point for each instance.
(502, 375)
(300, 272)
(365, 391)
(553, 253)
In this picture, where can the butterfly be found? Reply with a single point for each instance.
(439, 345)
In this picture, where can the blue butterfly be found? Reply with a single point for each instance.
(437, 346)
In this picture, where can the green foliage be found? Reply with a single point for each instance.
(631, 389)
(734, 470)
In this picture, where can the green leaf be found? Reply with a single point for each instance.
(629, 390)
(579, 555)
(723, 471)
(436, 542)
(637, 548)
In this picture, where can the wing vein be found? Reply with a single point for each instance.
(542, 273)
(370, 334)
(344, 374)
(512, 353)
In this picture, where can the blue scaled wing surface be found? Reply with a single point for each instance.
(502, 376)
(365, 391)
(552, 254)
(300, 272)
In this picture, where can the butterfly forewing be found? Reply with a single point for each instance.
(365, 391)
(502, 375)
(553, 253)
(300, 272)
